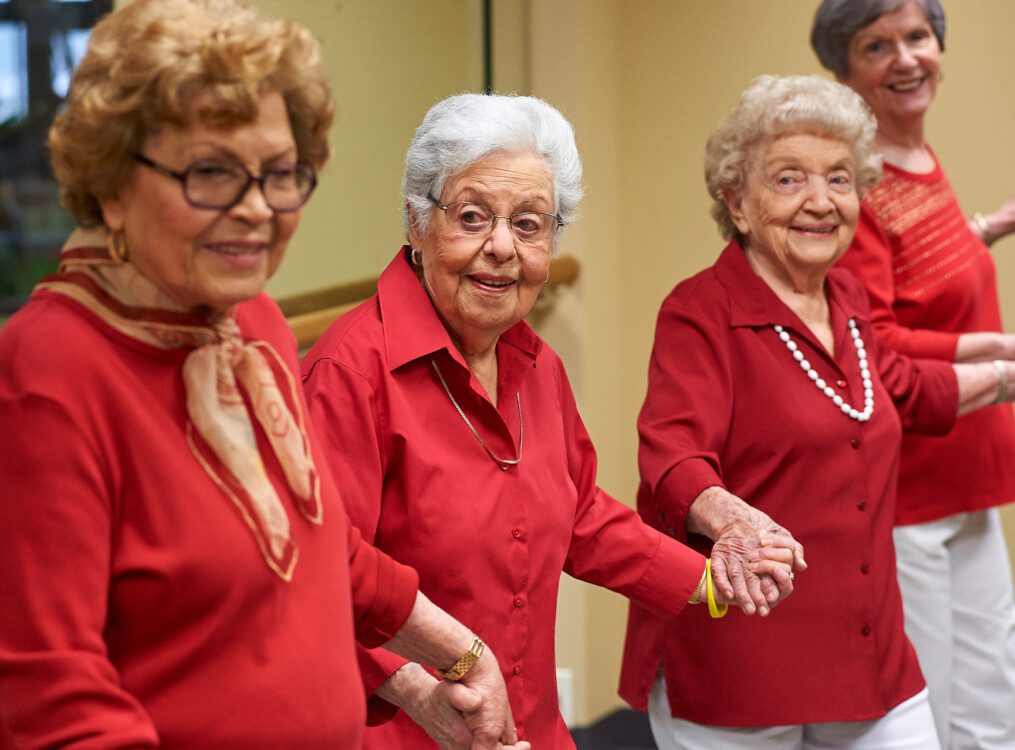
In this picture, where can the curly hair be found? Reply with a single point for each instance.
(164, 62)
(772, 106)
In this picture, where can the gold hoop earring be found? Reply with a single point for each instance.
(117, 245)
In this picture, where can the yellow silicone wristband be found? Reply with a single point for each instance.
(715, 610)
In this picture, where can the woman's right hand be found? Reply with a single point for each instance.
(753, 558)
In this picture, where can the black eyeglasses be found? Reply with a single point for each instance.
(531, 227)
(220, 185)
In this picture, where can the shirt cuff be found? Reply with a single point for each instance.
(678, 491)
(938, 400)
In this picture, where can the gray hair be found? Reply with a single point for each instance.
(773, 106)
(462, 129)
(837, 21)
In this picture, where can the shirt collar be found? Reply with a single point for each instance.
(752, 301)
(412, 328)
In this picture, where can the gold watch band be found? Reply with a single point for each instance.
(461, 667)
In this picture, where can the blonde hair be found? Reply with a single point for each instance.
(153, 62)
(773, 106)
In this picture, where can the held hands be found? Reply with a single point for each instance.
(753, 558)
(471, 714)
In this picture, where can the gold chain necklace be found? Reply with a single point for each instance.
(503, 463)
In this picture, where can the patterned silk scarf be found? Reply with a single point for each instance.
(220, 432)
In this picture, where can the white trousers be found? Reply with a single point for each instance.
(956, 587)
(908, 726)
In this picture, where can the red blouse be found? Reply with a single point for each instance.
(929, 279)
(489, 544)
(727, 405)
(136, 610)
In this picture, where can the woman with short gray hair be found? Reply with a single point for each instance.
(933, 293)
(769, 394)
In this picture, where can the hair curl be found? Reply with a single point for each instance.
(836, 21)
(152, 62)
(774, 106)
(462, 129)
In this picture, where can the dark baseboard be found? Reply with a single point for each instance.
(622, 730)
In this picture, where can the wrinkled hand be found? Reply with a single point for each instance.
(753, 558)
(490, 719)
(440, 708)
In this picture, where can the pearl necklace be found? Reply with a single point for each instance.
(503, 463)
(865, 375)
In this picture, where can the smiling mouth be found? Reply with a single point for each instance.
(491, 283)
(906, 86)
(823, 230)
(225, 249)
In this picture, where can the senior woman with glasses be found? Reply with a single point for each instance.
(769, 391)
(459, 430)
(177, 568)
(933, 293)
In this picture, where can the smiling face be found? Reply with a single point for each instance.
(798, 208)
(895, 65)
(483, 284)
(207, 258)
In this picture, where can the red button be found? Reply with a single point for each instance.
(865, 568)
(518, 601)
(861, 504)
(855, 442)
(841, 383)
(516, 533)
(865, 631)
(517, 669)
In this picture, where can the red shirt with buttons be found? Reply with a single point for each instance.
(728, 406)
(489, 543)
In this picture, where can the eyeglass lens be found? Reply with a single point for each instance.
(528, 226)
(214, 184)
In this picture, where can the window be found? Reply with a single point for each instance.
(41, 41)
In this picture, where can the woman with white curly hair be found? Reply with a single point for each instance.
(769, 393)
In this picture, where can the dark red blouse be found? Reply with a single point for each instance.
(727, 405)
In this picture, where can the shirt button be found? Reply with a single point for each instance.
(525, 582)
(855, 442)
(865, 568)
(516, 669)
(865, 631)
(861, 504)
(518, 601)
(516, 533)
(841, 383)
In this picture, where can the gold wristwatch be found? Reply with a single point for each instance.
(461, 667)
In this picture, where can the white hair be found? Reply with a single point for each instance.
(462, 129)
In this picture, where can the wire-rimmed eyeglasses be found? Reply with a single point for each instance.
(220, 185)
(531, 227)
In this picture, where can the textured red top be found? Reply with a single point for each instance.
(930, 278)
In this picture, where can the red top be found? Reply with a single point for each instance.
(728, 406)
(929, 279)
(136, 610)
(489, 544)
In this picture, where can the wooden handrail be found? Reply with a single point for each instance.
(310, 313)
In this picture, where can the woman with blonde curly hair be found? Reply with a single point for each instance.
(769, 396)
(177, 567)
